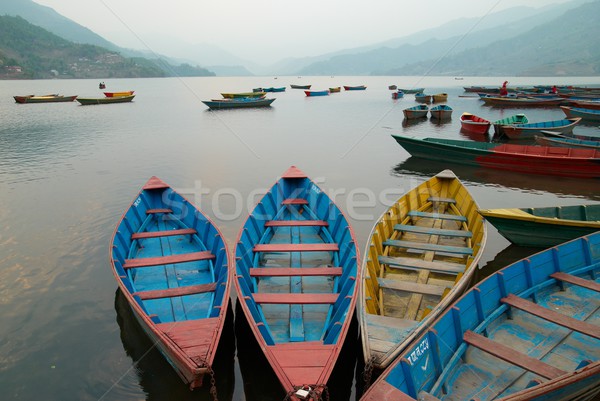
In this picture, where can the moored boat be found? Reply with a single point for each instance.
(527, 332)
(171, 264)
(412, 90)
(398, 95)
(317, 93)
(335, 89)
(545, 160)
(472, 123)
(530, 130)
(441, 112)
(237, 103)
(44, 99)
(117, 94)
(513, 101)
(105, 100)
(300, 86)
(296, 263)
(414, 112)
(585, 104)
(515, 119)
(240, 95)
(544, 226)
(439, 97)
(422, 98)
(584, 114)
(355, 88)
(420, 257)
(553, 139)
(274, 89)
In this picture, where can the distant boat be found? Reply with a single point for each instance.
(530, 130)
(439, 97)
(511, 101)
(472, 123)
(422, 98)
(355, 88)
(105, 100)
(335, 90)
(415, 112)
(515, 119)
(392, 87)
(565, 142)
(116, 94)
(273, 89)
(585, 104)
(243, 95)
(317, 93)
(44, 99)
(585, 114)
(412, 90)
(398, 95)
(441, 112)
(300, 86)
(238, 103)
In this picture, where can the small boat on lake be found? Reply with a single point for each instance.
(585, 104)
(415, 112)
(335, 89)
(171, 264)
(355, 88)
(584, 114)
(300, 86)
(317, 93)
(439, 97)
(544, 226)
(274, 89)
(512, 101)
(420, 257)
(398, 95)
(564, 141)
(422, 98)
(545, 160)
(117, 94)
(297, 281)
(240, 95)
(238, 103)
(515, 119)
(392, 87)
(527, 332)
(412, 90)
(472, 123)
(105, 100)
(441, 112)
(44, 99)
(530, 130)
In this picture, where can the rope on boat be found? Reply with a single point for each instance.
(315, 392)
(368, 373)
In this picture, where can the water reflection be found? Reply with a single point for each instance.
(413, 122)
(474, 136)
(156, 377)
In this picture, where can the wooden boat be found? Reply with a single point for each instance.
(482, 89)
(422, 98)
(414, 112)
(585, 104)
(584, 114)
(398, 95)
(317, 93)
(296, 264)
(512, 101)
(439, 97)
(546, 160)
(515, 119)
(566, 142)
(240, 95)
(105, 100)
(171, 263)
(335, 89)
(530, 130)
(355, 88)
(44, 99)
(273, 89)
(441, 112)
(116, 94)
(300, 86)
(420, 257)
(544, 226)
(238, 103)
(527, 332)
(472, 123)
(392, 87)
(412, 90)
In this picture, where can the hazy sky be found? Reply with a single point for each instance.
(269, 29)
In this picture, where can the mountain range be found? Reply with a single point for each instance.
(553, 40)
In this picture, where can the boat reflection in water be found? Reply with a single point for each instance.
(157, 378)
(474, 136)
(261, 383)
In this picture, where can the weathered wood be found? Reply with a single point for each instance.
(569, 278)
(409, 286)
(433, 231)
(429, 247)
(295, 271)
(167, 260)
(166, 233)
(443, 216)
(418, 264)
(439, 199)
(287, 298)
(511, 356)
(552, 316)
(296, 223)
(176, 292)
(296, 247)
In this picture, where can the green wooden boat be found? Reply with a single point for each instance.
(105, 100)
(544, 226)
(516, 119)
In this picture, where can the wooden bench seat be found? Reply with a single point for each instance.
(511, 356)
(292, 298)
(552, 316)
(296, 223)
(443, 216)
(176, 292)
(429, 247)
(433, 231)
(166, 233)
(581, 282)
(443, 200)
(412, 287)
(155, 211)
(420, 264)
(167, 260)
(320, 247)
(294, 201)
(295, 271)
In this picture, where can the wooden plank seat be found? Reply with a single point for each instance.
(167, 260)
(442, 216)
(155, 211)
(295, 271)
(581, 282)
(176, 291)
(429, 247)
(552, 316)
(420, 264)
(293, 298)
(511, 356)
(320, 247)
(410, 286)
(296, 223)
(166, 233)
(294, 201)
(433, 231)
(443, 200)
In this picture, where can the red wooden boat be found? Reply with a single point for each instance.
(510, 101)
(117, 94)
(585, 104)
(472, 123)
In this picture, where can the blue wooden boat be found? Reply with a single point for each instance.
(238, 103)
(415, 112)
(530, 331)
(317, 93)
(412, 90)
(530, 130)
(422, 98)
(296, 263)
(171, 263)
(441, 112)
(585, 114)
(273, 89)
(564, 141)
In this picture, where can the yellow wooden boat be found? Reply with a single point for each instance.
(243, 94)
(420, 257)
(439, 97)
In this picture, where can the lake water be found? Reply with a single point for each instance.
(67, 172)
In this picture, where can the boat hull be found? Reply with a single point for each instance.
(529, 131)
(317, 93)
(243, 95)
(512, 101)
(415, 112)
(44, 99)
(105, 100)
(238, 103)
(474, 124)
(584, 114)
(117, 94)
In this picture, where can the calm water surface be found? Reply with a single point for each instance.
(67, 172)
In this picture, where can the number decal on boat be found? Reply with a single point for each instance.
(137, 202)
